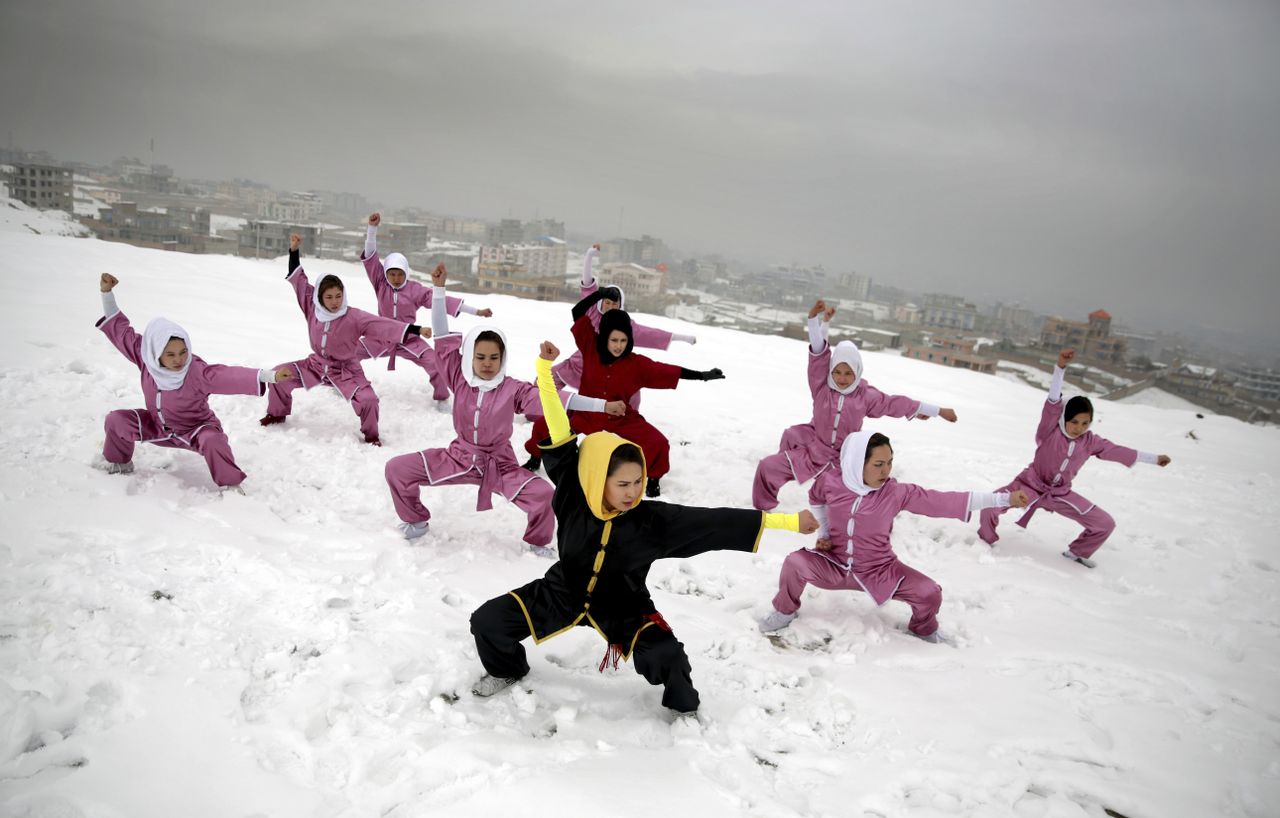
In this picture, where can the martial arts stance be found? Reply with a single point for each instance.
(855, 509)
(841, 401)
(400, 298)
(176, 386)
(612, 372)
(485, 402)
(608, 539)
(336, 332)
(1063, 444)
(569, 371)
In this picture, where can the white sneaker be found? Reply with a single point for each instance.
(442, 406)
(545, 551)
(120, 468)
(935, 638)
(413, 531)
(488, 685)
(225, 490)
(776, 621)
(1085, 561)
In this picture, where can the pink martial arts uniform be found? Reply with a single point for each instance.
(858, 521)
(177, 413)
(402, 304)
(336, 351)
(810, 449)
(481, 454)
(1047, 480)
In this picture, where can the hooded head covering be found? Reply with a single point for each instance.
(323, 314)
(622, 299)
(1066, 404)
(853, 455)
(610, 321)
(846, 352)
(469, 354)
(593, 469)
(396, 261)
(154, 339)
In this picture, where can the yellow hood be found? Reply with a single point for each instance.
(593, 470)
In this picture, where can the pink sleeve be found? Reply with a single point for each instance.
(930, 503)
(303, 290)
(452, 305)
(1104, 449)
(819, 369)
(881, 405)
(649, 337)
(449, 356)
(527, 402)
(123, 337)
(233, 380)
(589, 289)
(1048, 419)
(373, 268)
(380, 329)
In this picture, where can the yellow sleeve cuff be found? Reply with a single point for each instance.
(787, 522)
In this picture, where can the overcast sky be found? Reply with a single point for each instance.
(1069, 154)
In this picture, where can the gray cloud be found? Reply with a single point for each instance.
(1118, 155)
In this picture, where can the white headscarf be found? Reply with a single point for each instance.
(324, 315)
(468, 360)
(396, 261)
(846, 352)
(154, 339)
(853, 455)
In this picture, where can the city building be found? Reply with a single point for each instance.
(908, 314)
(263, 238)
(635, 279)
(403, 238)
(645, 250)
(507, 231)
(953, 352)
(1092, 340)
(1258, 382)
(543, 259)
(292, 207)
(513, 279)
(47, 187)
(543, 228)
(950, 312)
(855, 286)
(172, 228)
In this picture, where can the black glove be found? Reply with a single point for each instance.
(694, 375)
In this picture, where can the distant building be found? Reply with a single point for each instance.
(953, 352)
(507, 231)
(268, 239)
(173, 228)
(1014, 322)
(1092, 340)
(466, 229)
(635, 279)
(1258, 382)
(293, 207)
(543, 259)
(543, 228)
(852, 285)
(645, 250)
(949, 312)
(403, 238)
(908, 314)
(47, 187)
(513, 279)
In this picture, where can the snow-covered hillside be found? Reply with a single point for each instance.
(165, 651)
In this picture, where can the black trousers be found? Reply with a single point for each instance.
(499, 627)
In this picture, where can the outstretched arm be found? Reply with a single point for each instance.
(115, 324)
(557, 419)
(588, 276)
(819, 325)
(439, 305)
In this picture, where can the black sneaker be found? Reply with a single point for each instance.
(533, 463)
(652, 489)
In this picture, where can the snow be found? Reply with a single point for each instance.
(167, 651)
(1153, 396)
(16, 217)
